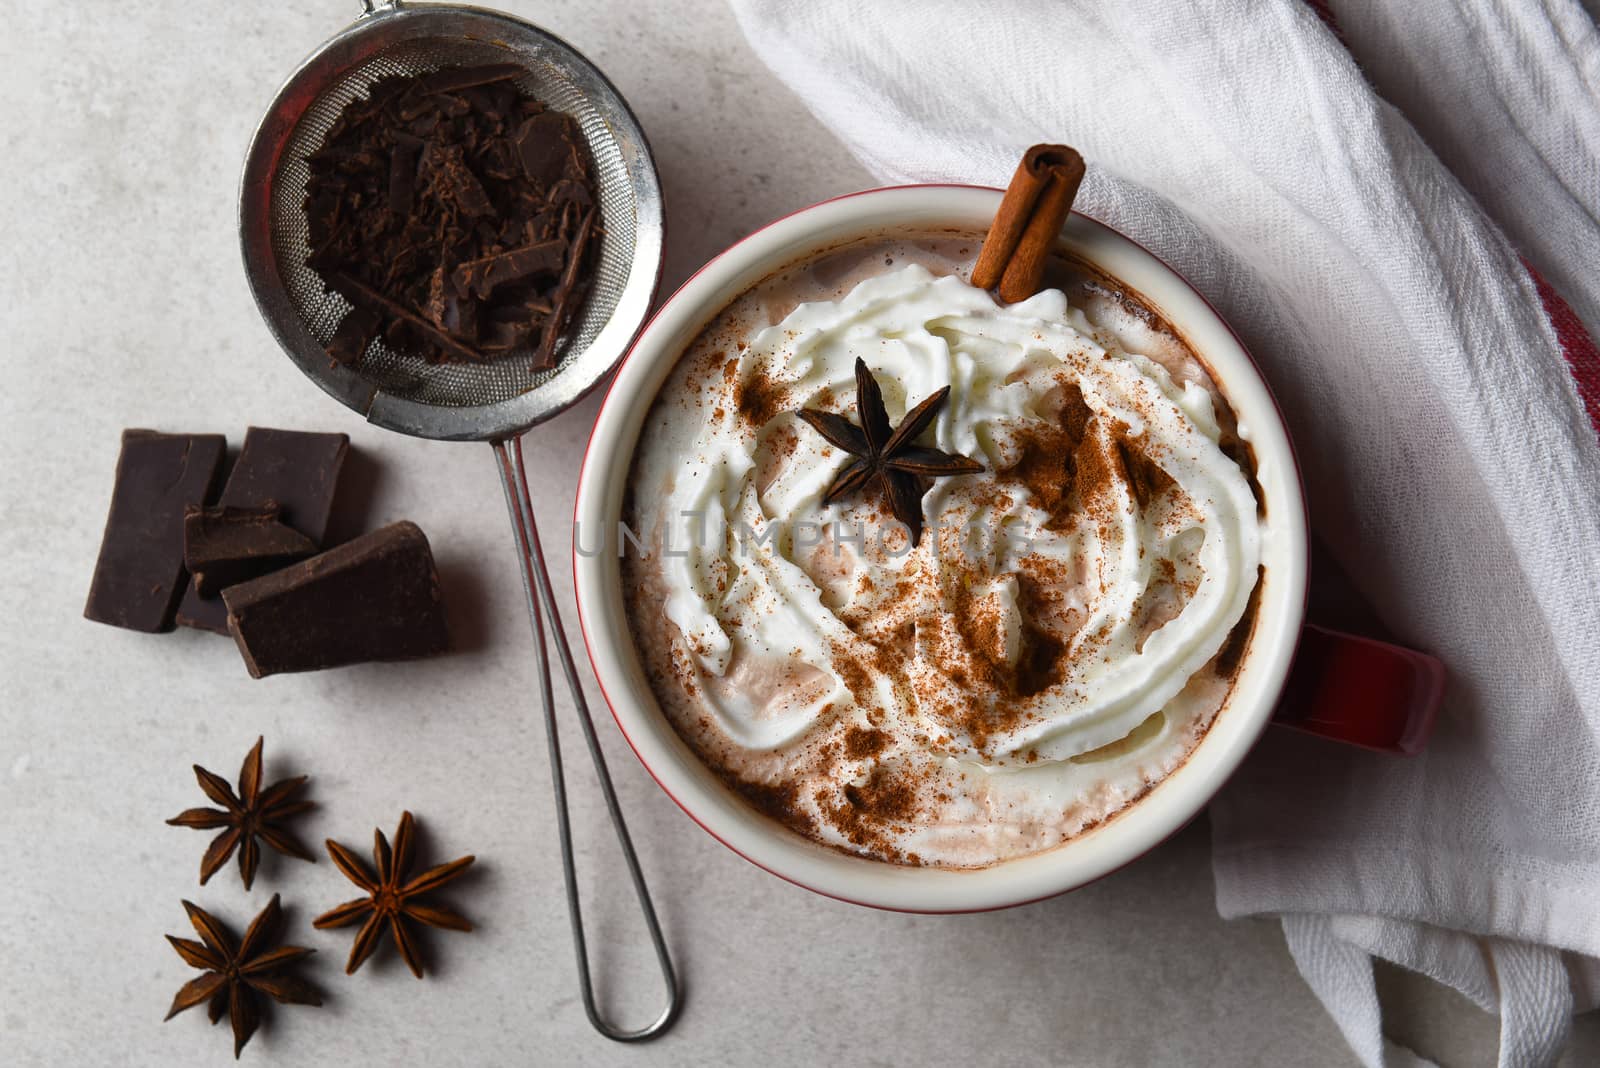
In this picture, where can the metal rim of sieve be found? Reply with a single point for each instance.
(501, 397)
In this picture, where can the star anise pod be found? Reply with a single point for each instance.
(251, 814)
(391, 897)
(888, 458)
(236, 975)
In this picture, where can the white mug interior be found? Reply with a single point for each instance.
(771, 845)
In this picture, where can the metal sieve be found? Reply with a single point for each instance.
(498, 400)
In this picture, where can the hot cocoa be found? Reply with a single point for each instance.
(1056, 641)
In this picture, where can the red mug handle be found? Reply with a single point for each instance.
(1361, 691)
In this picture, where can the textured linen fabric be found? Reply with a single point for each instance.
(1397, 213)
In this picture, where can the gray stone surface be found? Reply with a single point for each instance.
(123, 304)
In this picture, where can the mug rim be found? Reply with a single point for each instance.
(1170, 804)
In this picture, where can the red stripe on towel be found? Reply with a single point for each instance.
(1583, 359)
(1325, 13)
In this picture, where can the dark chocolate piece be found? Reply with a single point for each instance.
(445, 166)
(139, 575)
(225, 545)
(374, 598)
(455, 79)
(542, 147)
(363, 297)
(297, 469)
(458, 217)
(356, 331)
(480, 277)
(403, 173)
(566, 294)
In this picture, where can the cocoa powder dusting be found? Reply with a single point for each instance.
(760, 399)
(1075, 413)
(1094, 472)
(870, 809)
(885, 796)
(1045, 468)
(779, 801)
(861, 742)
(1145, 477)
(1048, 465)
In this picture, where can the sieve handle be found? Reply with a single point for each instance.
(380, 7)
(542, 606)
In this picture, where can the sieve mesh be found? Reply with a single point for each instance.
(407, 375)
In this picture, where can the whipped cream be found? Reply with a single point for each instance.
(1045, 654)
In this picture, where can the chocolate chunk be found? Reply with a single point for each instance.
(565, 300)
(227, 545)
(544, 142)
(405, 322)
(481, 277)
(297, 469)
(374, 598)
(139, 576)
(447, 170)
(403, 173)
(570, 191)
(455, 79)
(445, 208)
(354, 334)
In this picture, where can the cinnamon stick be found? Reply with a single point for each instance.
(1031, 214)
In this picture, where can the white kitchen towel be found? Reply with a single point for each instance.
(1390, 213)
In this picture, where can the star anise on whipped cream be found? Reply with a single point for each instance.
(887, 459)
